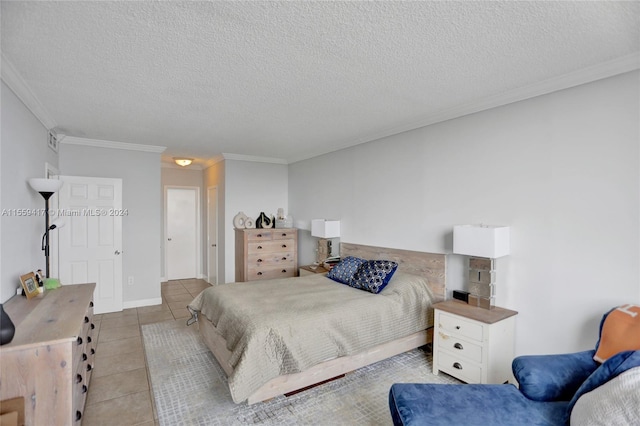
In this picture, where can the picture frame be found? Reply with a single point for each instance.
(29, 285)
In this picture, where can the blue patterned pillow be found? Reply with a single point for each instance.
(374, 275)
(343, 271)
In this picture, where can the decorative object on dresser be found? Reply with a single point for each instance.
(263, 254)
(473, 344)
(7, 328)
(29, 285)
(50, 359)
(264, 221)
(46, 188)
(484, 243)
(325, 229)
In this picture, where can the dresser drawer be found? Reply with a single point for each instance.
(269, 273)
(284, 235)
(459, 347)
(457, 326)
(459, 367)
(271, 258)
(260, 235)
(270, 247)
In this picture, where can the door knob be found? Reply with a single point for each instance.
(116, 252)
(169, 239)
(214, 245)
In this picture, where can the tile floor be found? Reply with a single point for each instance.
(120, 392)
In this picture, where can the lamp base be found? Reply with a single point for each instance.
(481, 282)
(324, 250)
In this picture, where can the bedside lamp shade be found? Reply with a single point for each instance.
(481, 240)
(325, 228)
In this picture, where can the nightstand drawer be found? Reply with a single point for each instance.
(459, 347)
(455, 325)
(460, 368)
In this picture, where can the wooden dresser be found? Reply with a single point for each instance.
(263, 254)
(50, 359)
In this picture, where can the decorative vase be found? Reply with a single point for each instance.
(7, 328)
(239, 220)
(263, 221)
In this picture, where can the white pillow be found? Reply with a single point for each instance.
(616, 402)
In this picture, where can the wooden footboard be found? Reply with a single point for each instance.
(318, 373)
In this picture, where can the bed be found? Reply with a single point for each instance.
(277, 336)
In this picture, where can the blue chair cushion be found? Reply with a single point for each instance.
(470, 405)
(553, 377)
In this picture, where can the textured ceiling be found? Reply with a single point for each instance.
(292, 80)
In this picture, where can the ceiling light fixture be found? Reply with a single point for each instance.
(183, 161)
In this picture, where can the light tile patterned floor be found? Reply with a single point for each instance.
(119, 393)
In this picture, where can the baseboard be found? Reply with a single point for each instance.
(141, 303)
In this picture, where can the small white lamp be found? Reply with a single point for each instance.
(324, 229)
(484, 243)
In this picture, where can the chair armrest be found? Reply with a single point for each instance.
(553, 377)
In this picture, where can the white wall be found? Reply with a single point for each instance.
(563, 170)
(250, 187)
(191, 177)
(141, 196)
(23, 154)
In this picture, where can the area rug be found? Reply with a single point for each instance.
(190, 388)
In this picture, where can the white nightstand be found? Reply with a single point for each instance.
(473, 344)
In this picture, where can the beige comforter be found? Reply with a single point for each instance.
(285, 326)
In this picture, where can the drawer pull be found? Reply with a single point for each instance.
(259, 247)
(91, 304)
(86, 320)
(458, 346)
(93, 351)
(78, 378)
(284, 258)
(284, 271)
(457, 327)
(89, 367)
(79, 341)
(259, 273)
(84, 389)
(284, 246)
(259, 260)
(84, 357)
(284, 234)
(457, 365)
(78, 415)
(89, 339)
(93, 326)
(259, 235)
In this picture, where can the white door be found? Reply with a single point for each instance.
(212, 235)
(90, 242)
(181, 233)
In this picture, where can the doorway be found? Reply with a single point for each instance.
(182, 232)
(212, 235)
(90, 237)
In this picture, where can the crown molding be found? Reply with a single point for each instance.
(241, 157)
(590, 74)
(72, 140)
(19, 86)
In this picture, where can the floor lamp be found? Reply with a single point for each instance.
(46, 188)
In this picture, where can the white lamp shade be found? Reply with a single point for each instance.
(325, 228)
(481, 240)
(45, 185)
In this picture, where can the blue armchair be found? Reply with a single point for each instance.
(550, 386)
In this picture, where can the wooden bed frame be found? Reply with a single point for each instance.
(430, 265)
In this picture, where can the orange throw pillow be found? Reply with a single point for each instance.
(620, 332)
